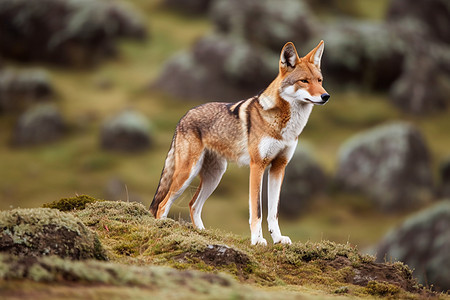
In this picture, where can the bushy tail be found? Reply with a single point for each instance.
(166, 179)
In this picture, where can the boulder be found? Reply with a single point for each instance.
(218, 68)
(39, 125)
(44, 231)
(423, 243)
(20, 89)
(390, 164)
(65, 32)
(434, 16)
(420, 88)
(127, 132)
(304, 178)
(267, 23)
(364, 53)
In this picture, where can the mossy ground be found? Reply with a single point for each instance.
(172, 258)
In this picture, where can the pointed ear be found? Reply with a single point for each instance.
(315, 56)
(289, 57)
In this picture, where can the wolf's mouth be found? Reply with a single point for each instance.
(315, 103)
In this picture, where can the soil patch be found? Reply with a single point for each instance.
(363, 274)
(220, 256)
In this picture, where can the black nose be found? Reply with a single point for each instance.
(325, 97)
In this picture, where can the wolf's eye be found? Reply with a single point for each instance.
(320, 80)
(304, 80)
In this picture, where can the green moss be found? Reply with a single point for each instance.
(72, 203)
(327, 250)
(38, 273)
(381, 289)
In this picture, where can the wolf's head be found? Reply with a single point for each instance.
(301, 78)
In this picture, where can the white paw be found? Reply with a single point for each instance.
(282, 239)
(198, 224)
(259, 241)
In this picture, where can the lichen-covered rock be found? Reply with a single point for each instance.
(419, 90)
(218, 68)
(434, 16)
(38, 125)
(264, 22)
(189, 6)
(366, 53)
(390, 164)
(304, 178)
(128, 132)
(65, 32)
(445, 178)
(423, 243)
(19, 89)
(45, 231)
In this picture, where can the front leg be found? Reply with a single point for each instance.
(256, 175)
(276, 175)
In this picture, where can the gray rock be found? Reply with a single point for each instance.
(423, 243)
(39, 125)
(44, 231)
(65, 32)
(264, 22)
(20, 89)
(420, 88)
(127, 132)
(363, 53)
(434, 16)
(304, 178)
(390, 164)
(218, 68)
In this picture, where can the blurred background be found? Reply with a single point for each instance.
(91, 92)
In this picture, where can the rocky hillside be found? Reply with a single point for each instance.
(94, 249)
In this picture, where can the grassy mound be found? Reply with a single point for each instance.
(173, 259)
(131, 234)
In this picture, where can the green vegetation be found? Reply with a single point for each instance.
(144, 253)
(72, 203)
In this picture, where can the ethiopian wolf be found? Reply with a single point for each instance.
(261, 132)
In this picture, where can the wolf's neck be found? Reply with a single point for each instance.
(300, 113)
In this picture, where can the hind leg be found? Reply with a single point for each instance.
(211, 173)
(187, 168)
